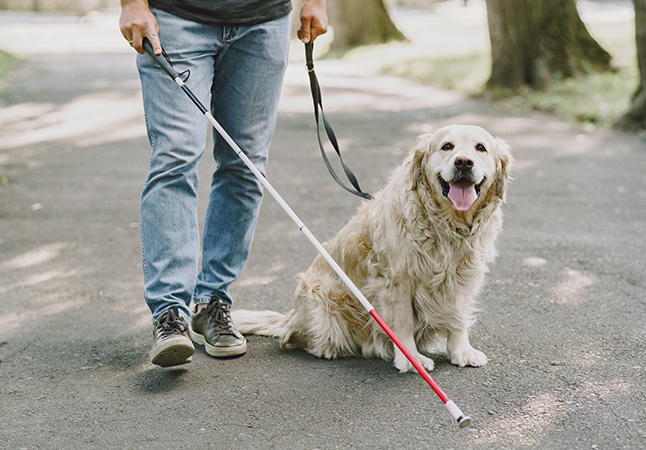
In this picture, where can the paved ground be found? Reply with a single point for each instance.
(563, 310)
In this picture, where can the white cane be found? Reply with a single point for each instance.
(455, 411)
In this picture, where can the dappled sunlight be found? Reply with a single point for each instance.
(16, 114)
(16, 320)
(542, 145)
(53, 288)
(139, 317)
(603, 390)
(271, 275)
(525, 426)
(256, 281)
(587, 356)
(522, 125)
(531, 138)
(537, 417)
(43, 277)
(90, 119)
(39, 271)
(572, 289)
(534, 262)
(355, 84)
(344, 143)
(51, 308)
(36, 256)
(99, 32)
(27, 280)
(449, 29)
(348, 87)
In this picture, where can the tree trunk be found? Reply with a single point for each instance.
(535, 40)
(635, 118)
(361, 22)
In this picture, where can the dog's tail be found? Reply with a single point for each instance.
(263, 323)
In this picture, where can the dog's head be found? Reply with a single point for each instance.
(464, 165)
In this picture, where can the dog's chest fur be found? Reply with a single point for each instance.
(443, 264)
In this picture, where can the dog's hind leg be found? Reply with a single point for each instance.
(291, 338)
(293, 341)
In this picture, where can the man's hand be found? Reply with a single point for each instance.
(313, 20)
(137, 22)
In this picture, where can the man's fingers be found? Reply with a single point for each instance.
(313, 20)
(136, 22)
(311, 29)
(304, 32)
(138, 43)
(154, 40)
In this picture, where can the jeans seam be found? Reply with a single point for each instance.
(144, 262)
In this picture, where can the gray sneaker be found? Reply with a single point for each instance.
(173, 345)
(213, 328)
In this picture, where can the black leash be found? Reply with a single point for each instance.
(316, 97)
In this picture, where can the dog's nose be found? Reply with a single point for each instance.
(463, 164)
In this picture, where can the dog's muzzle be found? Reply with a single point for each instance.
(462, 189)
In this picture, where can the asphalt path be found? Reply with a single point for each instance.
(563, 310)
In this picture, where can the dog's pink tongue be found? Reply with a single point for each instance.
(462, 196)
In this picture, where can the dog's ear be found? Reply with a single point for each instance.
(503, 168)
(416, 163)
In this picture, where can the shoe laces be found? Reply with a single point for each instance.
(220, 316)
(171, 323)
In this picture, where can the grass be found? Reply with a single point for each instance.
(465, 73)
(595, 100)
(7, 63)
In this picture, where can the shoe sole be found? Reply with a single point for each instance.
(172, 352)
(218, 352)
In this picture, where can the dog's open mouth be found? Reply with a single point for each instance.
(461, 192)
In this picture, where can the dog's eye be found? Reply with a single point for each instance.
(481, 148)
(448, 146)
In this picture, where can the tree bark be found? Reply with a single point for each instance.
(635, 118)
(533, 41)
(361, 22)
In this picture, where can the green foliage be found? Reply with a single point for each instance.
(467, 73)
(595, 100)
(7, 62)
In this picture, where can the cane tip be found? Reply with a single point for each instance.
(464, 421)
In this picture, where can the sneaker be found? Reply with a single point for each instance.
(213, 328)
(173, 345)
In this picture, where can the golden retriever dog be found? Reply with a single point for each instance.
(419, 253)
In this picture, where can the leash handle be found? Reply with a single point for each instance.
(318, 103)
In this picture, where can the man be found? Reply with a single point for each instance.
(235, 53)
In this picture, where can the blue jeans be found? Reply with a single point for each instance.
(239, 71)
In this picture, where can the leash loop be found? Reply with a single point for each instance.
(318, 103)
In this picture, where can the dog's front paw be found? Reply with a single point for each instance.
(468, 357)
(404, 365)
